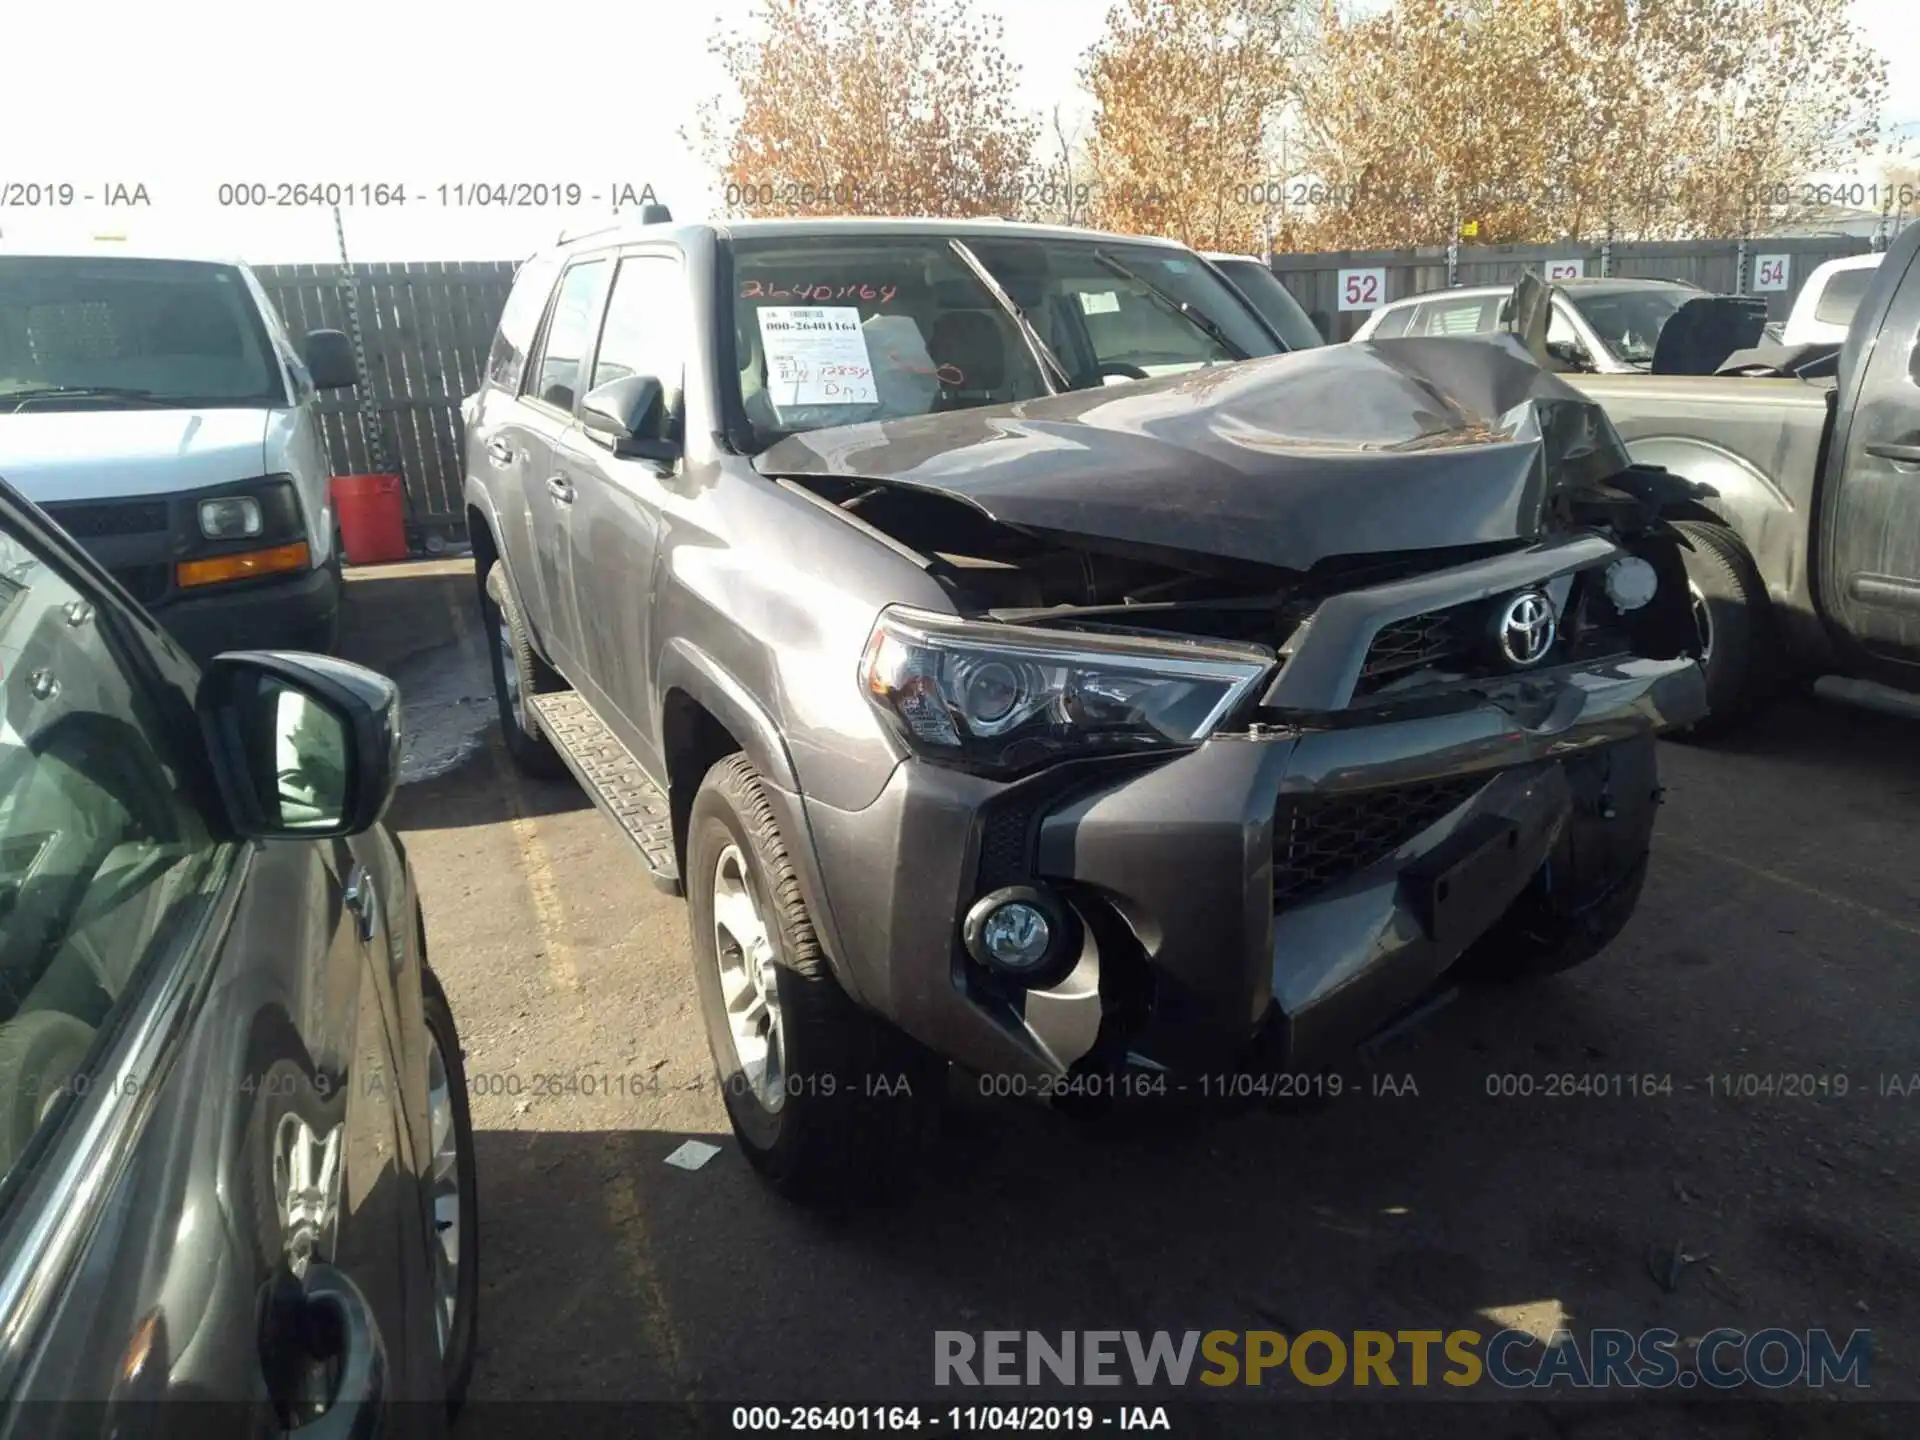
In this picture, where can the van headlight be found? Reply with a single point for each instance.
(230, 517)
(1004, 699)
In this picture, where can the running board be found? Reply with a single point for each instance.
(1868, 695)
(608, 773)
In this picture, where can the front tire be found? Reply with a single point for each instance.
(830, 1104)
(518, 675)
(453, 1217)
(1730, 609)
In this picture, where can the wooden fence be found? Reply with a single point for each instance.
(1723, 266)
(426, 327)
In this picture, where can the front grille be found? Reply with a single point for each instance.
(1320, 840)
(118, 517)
(146, 583)
(1444, 638)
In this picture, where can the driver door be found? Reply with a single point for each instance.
(199, 1120)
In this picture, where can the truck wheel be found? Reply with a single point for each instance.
(830, 1103)
(1531, 941)
(1729, 606)
(518, 675)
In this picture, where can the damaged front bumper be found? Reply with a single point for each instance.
(1288, 886)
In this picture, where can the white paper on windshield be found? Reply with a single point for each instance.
(1099, 302)
(816, 355)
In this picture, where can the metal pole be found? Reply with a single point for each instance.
(369, 417)
(1606, 251)
(1453, 257)
(1740, 267)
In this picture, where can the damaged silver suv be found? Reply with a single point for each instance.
(1019, 662)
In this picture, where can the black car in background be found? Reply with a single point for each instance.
(236, 1164)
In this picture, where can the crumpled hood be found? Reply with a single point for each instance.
(1350, 449)
(90, 453)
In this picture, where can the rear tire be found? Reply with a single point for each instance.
(518, 675)
(840, 1105)
(1730, 604)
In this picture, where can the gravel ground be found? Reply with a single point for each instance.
(1777, 938)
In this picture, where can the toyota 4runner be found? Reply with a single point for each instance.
(1018, 661)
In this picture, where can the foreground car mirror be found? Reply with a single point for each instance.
(329, 358)
(630, 414)
(303, 746)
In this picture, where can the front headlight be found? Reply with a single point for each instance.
(230, 517)
(1002, 699)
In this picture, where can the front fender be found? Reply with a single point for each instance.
(687, 669)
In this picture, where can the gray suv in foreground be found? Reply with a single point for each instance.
(1018, 663)
(236, 1159)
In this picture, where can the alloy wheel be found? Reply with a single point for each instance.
(443, 1192)
(749, 980)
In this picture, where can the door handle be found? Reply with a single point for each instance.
(355, 1408)
(363, 901)
(560, 490)
(499, 452)
(1899, 454)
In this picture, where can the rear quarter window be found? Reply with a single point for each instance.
(1841, 296)
(1393, 323)
(526, 303)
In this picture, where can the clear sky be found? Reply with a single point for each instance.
(184, 98)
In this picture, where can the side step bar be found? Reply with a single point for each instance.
(1868, 695)
(609, 774)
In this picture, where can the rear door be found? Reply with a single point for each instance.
(549, 396)
(199, 1115)
(1870, 508)
(614, 526)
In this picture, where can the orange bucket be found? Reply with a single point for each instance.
(373, 517)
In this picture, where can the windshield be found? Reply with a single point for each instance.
(1628, 322)
(837, 329)
(82, 332)
(1274, 302)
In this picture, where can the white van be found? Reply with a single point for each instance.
(157, 409)
(1824, 308)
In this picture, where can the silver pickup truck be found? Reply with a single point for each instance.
(1806, 558)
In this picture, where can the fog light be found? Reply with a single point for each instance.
(1631, 583)
(1024, 934)
(1015, 935)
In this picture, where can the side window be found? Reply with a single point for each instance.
(1844, 291)
(554, 376)
(526, 303)
(1452, 317)
(645, 328)
(103, 853)
(1394, 323)
(1560, 329)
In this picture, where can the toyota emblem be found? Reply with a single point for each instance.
(1526, 629)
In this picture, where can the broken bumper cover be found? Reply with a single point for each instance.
(1283, 886)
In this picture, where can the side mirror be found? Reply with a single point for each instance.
(303, 746)
(329, 357)
(630, 415)
(1569, 353)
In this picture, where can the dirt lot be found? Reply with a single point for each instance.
(1778, 938)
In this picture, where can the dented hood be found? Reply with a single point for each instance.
(1351, 449)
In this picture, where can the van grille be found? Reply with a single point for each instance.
(88, 521)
